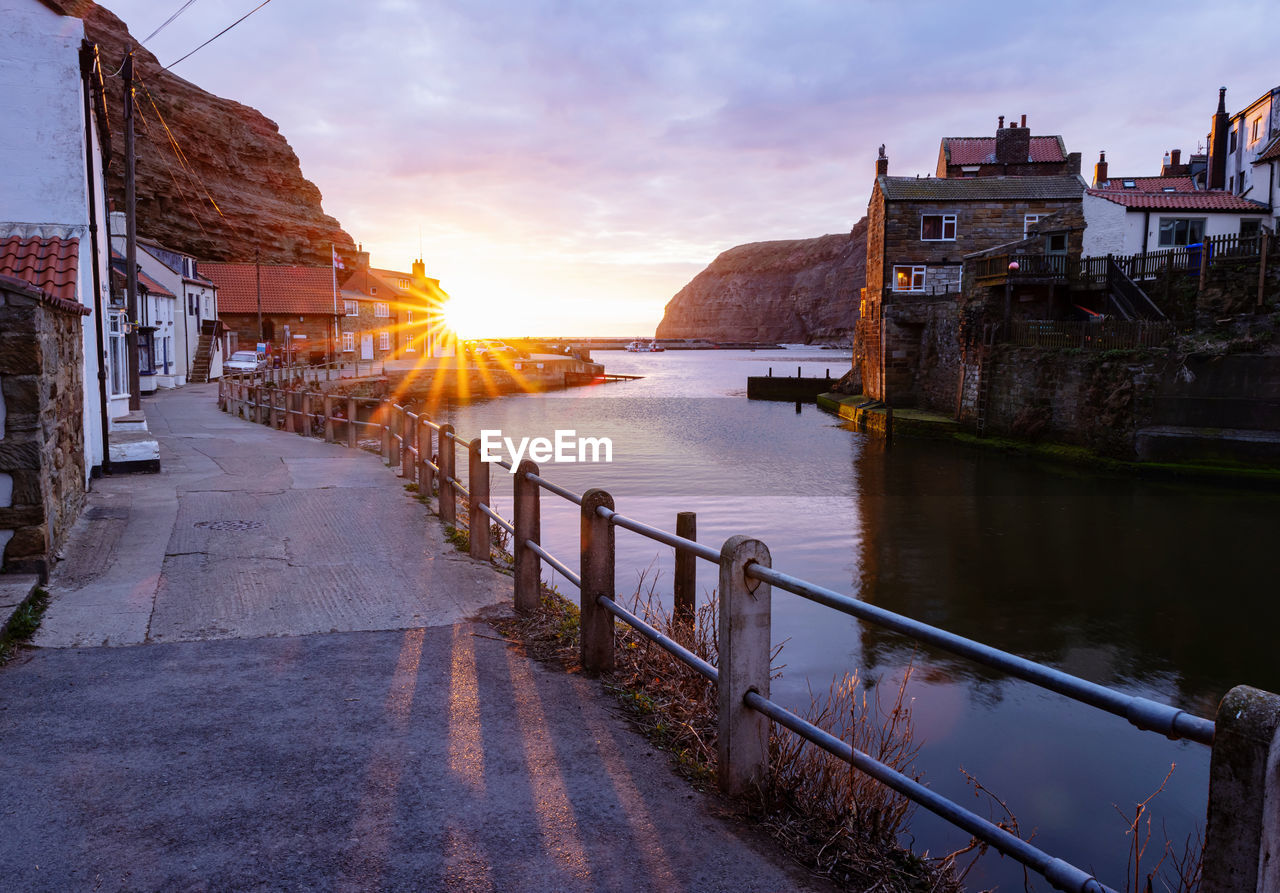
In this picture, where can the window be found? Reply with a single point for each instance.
(938, 227)
(1255, 130)
(348, 342)
(908, 278)
(373, 289)
(1231, 140)
(1249, 229)
(384, 341)
(351, 308)
(1027, 221)
(1231, 183)
(1181, 231)
(1130, 184)
(404, 283)
(408, 317)
(381, 310)
(1057, 243)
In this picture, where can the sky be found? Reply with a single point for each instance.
(566, 167)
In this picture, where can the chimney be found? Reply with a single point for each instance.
(1165, 163)
(1175, 157)
(1024, 121)
(1073, 162)
(882, 163)
(1000, 123)
(1100, 170)
(1013, 145)
(419, 270)
(1218, 143)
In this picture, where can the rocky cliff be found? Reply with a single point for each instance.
(800, 290)
(232, 156)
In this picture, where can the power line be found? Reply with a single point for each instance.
(219, 34)
(169, 20)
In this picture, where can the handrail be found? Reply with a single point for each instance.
(654, 533)
(661, 639)
(556, 563)
(1141, 712)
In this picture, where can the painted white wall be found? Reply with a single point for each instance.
(1106, 229)
(43, 187)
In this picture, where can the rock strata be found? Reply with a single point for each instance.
(799, 290)
(233, 156)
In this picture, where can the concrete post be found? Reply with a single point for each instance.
(328, 418)
(478, 487)
(528, 524)
(686, 577)
(1242, 828)
(273, 413)
(386, 415)
(290, 401)
(596, 569)
(742, 744)
(448, 498)
(407, 429)
(424, 457)
(351, 422)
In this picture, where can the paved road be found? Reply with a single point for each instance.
(305, 703)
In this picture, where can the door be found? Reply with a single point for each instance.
(366, 347)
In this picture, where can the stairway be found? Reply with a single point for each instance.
(204, 352)
(1127, 299)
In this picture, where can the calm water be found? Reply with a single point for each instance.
(1158, 589)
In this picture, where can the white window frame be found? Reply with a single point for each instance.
(946, 219)
(916, 276)
(348, 342)
(1172, 243)
(351, 308)
(1027, 220)
(381, 310)
(384, 340)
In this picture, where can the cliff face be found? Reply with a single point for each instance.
(799, 290)
(230, 151)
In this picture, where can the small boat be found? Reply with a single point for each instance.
(641, 346)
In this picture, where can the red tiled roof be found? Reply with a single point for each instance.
(1204, 200)
(1270, 153)
(982, 149)
(151, 285)
(1150, 184)
(298, 290)
(51, 265)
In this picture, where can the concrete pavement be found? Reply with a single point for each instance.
(311, 703)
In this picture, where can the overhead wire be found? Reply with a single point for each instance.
(178, 152)
(219, 34)
(168, 21)
(177, 187)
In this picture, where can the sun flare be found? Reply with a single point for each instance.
(465, 318)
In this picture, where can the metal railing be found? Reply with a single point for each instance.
(746, 580)
(1107, 334)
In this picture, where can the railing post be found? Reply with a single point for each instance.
(1242, 827)
(448, 498)
(1263, 246)
(327, 403)
(274, 412)
(686, 575)
(406, 444)
(596, 570)
(352, 409)
(528, 524)
(745, 647)
(384, 419)
(424, 457)
(478, 487)
(290, 401)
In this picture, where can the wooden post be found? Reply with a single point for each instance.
(273, 414)
(596, 568)
(1242, 828)
(478, 487)
(686, 577)
(424, 457)
(290, 400)
(742, 742)
(407, 429)
(528, 524)
(1264, 239)
(352, 409)
(1204, 264)
(448, 498)
(327, 403)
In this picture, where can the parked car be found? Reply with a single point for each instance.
(490, 349)
(245, 361)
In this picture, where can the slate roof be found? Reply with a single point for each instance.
(982, 149)
(119, 266)
(285, 289)
(1203, 200)
(1150, 184)
(979, 189)
(50, 264)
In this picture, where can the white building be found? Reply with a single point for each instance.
(51, 172)
(175, 326)
(1157, 213)
(1244, 151)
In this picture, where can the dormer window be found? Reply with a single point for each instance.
(1130, 184)
(938, 228)
(373, 289)
(1168, 189)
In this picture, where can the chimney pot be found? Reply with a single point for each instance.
(1000, 125)
(1176, 158)
(1024, 121)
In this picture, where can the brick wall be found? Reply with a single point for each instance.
(42, 471)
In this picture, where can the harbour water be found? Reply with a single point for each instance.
(1160, 589)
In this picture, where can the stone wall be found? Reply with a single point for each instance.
(42, 470)
(922, 354)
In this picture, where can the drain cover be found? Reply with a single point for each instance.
(229, 524)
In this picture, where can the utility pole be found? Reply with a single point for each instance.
(257, 271)
(131, 238)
